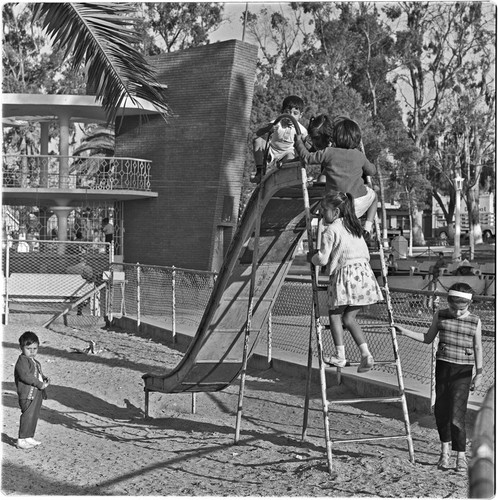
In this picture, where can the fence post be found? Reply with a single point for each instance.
(270, 334)
(138, 295)
(173, 305)
(435, 303)
(7, 274)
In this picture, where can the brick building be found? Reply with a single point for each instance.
(197, 157)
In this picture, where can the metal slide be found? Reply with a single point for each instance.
(215, 356)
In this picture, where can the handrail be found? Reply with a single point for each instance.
(75, 172)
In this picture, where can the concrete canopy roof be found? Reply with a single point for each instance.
(45, 108)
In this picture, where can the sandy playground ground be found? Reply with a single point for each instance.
(96, 441)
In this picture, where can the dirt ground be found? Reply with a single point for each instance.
(96, 441)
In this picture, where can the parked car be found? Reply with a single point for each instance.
(444, 232)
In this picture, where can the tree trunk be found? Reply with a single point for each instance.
(475, 231)
(417, 232)
(382, 200)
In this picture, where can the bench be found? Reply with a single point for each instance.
(44, 287)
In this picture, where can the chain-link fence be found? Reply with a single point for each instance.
(54, 274)
(290, 326)
(177, 298)
(165, 295)
(48, 276)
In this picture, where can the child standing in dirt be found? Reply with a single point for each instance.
(352, 284)
(31, 384)
(279, 147)
(343, 165)
(459, 349)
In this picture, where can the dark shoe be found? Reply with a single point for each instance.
(256, 178)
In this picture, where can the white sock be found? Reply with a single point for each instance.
(368, 226)
(341, 352)
(364, 350)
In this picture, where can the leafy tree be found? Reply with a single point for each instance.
(276, 34)
(29, 64)
(180, 25)
(99, 36)
(470, 133)
(97, 141)
(439, 45)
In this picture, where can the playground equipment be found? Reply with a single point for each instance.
(252, 274)
(318, 327)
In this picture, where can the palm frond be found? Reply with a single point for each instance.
(100, 36)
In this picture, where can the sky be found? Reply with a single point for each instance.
(232, 28)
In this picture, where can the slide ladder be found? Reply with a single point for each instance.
(319, 297)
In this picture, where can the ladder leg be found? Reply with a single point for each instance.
(325, 403)
(390, 312)
(245, 355)
(242, 386)
(318, 326)
(146, 403)
(308, 383)
(399, 372)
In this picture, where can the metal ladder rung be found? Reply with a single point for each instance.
(385, 399)
(377, 363)
(378, 438)
(357, 363)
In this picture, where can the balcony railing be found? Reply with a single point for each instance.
(75, 172)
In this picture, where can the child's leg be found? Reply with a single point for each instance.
(349, 320)
(259, 146)
(444, 458)
(289, 156)
(30, 411)
(460, 395)
(335, 318)
(372, 210)
(366, 204)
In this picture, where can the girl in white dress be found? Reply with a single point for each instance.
(352, 284)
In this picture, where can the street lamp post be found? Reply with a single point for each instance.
(458, 189)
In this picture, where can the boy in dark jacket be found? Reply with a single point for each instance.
(31, 385)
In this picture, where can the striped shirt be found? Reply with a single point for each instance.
(340, 248)
(456, 337)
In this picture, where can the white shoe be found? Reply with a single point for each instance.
(33, 441)
(24, 444)
(366, 364)
(334, 361)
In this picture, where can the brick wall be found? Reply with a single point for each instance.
(197, 157)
